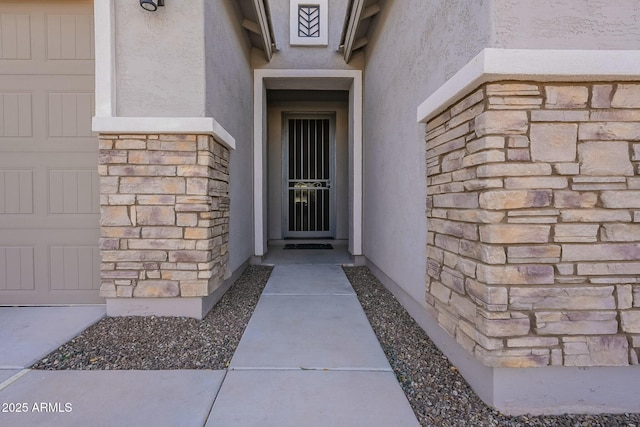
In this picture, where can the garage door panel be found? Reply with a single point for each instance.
(49, 186)
(71, 223)
(49, 191)
(52, 222)
(69, 114)
(69, 37)
(46, 38)
(44, 83)
(74, 192)
(52, 145)
(16, 191)
(15, 36)
(49, 266)
(17, 268)
(51, 160)
(69, 68)
(53, 115)
(16, 117)
(59, 297)
(74, 267)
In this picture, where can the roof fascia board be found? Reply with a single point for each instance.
(265, 30)
(352, 28)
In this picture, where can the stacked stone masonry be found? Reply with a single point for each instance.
(534, 223)
(164, 215)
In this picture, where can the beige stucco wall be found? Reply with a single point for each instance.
(274, 141)
(431, 41)
(229, 85)
(566, 24)
(147, 84)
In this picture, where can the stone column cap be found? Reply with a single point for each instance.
(538, 65)
(164, 125)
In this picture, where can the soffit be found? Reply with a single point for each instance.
(357, 25)
(256, 21)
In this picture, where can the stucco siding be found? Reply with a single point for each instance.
(566, 24)
(147, 85)
(430, 41)
(394, 197)
(229, 101)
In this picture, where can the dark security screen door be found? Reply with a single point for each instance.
(308, 172)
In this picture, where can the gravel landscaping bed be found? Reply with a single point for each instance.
(166, 342)
(436, 391)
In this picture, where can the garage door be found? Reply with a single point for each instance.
(49, 193)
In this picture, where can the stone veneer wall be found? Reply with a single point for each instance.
(164, 215)
(534, 223)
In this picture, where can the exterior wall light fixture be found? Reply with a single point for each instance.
(151, 5)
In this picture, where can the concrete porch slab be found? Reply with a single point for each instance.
(113, 398)
(30, 333)
(336, 256)
(308, 280)
(325, 332)
(310, 399)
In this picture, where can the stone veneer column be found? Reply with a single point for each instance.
(164, 216)
(534, 223)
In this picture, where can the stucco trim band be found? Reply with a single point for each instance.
(530, 64)
(165, 125)
(104, 24)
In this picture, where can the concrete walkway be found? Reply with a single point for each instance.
(307, 358)
(310, 358)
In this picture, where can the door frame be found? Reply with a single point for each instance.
(318, 79)
(286, 116)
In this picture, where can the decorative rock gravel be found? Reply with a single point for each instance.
(166, 342)
(437, 392)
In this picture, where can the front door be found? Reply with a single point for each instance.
(309, 176)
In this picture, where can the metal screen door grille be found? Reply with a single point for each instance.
(309, 176)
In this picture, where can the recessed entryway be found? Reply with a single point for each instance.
(302, 207)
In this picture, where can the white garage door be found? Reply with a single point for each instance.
(49, 193)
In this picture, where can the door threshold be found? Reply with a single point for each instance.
(297, 246)
(331, 241)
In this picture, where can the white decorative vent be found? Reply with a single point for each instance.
(309, 22)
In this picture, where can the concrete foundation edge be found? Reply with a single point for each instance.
(547, 390)
(358, 260)
(558, 390)
(196, 307)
